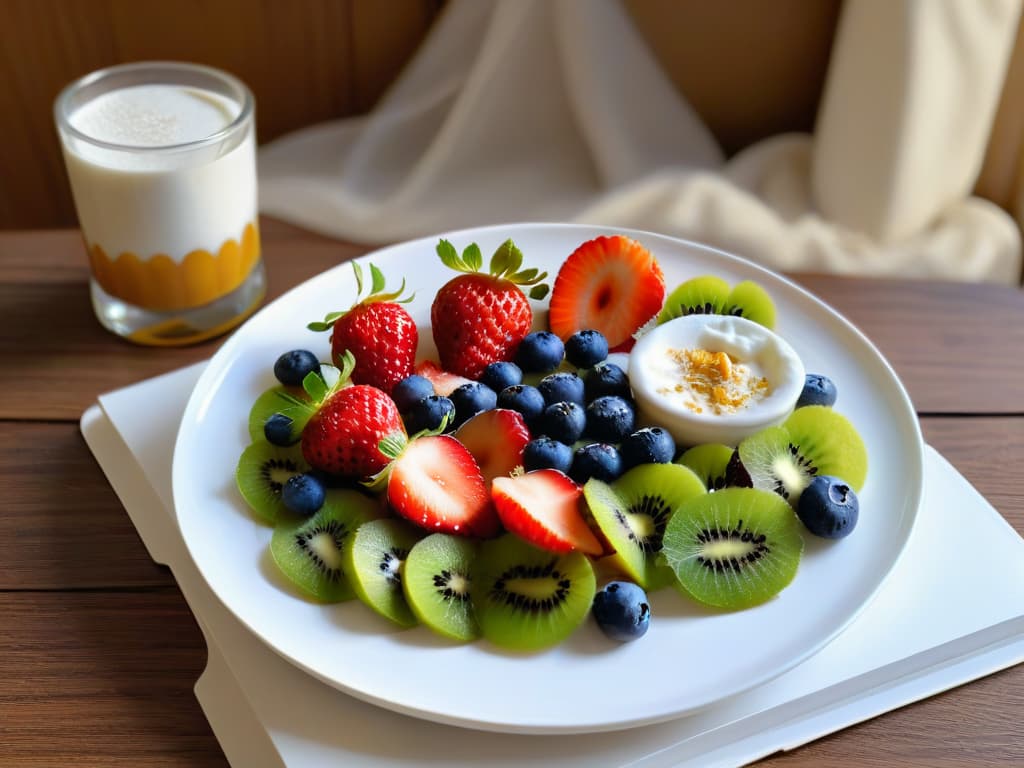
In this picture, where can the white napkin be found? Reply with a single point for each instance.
(557, 110)
(931, 628)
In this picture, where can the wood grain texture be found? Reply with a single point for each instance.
(63, 527)
(102, 679)
(306, 62)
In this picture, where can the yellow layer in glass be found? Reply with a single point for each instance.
(160, 284)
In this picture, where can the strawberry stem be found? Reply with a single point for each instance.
(505, 264)
(377, 294)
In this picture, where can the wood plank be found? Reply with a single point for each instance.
(102, 679)
(63, 527)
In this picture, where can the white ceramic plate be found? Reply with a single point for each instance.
(690, 658)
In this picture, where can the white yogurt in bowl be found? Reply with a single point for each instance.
(714, 378)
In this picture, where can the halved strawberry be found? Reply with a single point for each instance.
(444, 383)
(610, 284)
(496, 438)
(436, 484)
(542, 507)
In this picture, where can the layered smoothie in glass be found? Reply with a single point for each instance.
(161, 160)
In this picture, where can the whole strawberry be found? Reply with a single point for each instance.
(343, 437)
(479, 318)
(377, 330)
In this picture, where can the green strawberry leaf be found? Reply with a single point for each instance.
(393, 445)
(378, 280)
(538, 292)
(320, 327)
(506, 259)
(472, 257)
(450, 257)
(359, 279)
(315, 386)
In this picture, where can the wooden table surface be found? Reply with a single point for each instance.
(98, 650)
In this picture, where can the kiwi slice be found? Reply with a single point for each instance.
(373, 560)
(308, 553)
(709, 462)
(263, 469)
(734, 548)
(707, 295)
(748, 299)
(814, 440)
(527, 598)
(632, 513)
(276, 400)
(436, 580)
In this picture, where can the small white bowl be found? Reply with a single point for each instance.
(653, 375)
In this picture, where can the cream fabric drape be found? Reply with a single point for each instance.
(556, 110)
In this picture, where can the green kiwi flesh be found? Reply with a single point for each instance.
(814, 440)
(632, 513)
(436, 582)
(309, 553)
(373, 560)
(275, 400)
(262, 471)
(706, 295)
(748, 299)
(709, 462)
(735, 548)
(526, 598)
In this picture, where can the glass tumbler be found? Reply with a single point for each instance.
(161, 157)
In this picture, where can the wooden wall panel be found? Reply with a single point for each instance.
(305, 60)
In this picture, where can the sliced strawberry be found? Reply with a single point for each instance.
(496, 438)
(444, 383)
(542, 507)
(611, 284)
(437, 485)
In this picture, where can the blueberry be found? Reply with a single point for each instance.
(610, 419)
(818, 390)
(428, 413)
(547, 453)
(470, 399)
(497, 376)
(303, 494)
(598, 460)
(622, 611)
(828, 507)
(606, 379)
(585, 349)
(523, 398)
(562, 387)
(540, 352)
(563, 422)
(650, 445)
(292, 367)
(278, 430)
(410, 391)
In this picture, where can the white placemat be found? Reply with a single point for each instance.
(931, 628)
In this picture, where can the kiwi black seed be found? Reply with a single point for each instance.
(814, 440)
(436, 581)
(373, 560)
(528, 598)
(632, 513)
(262, 471)
(309, 553)
(748, 299)
(706, 295)
(734, 548)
